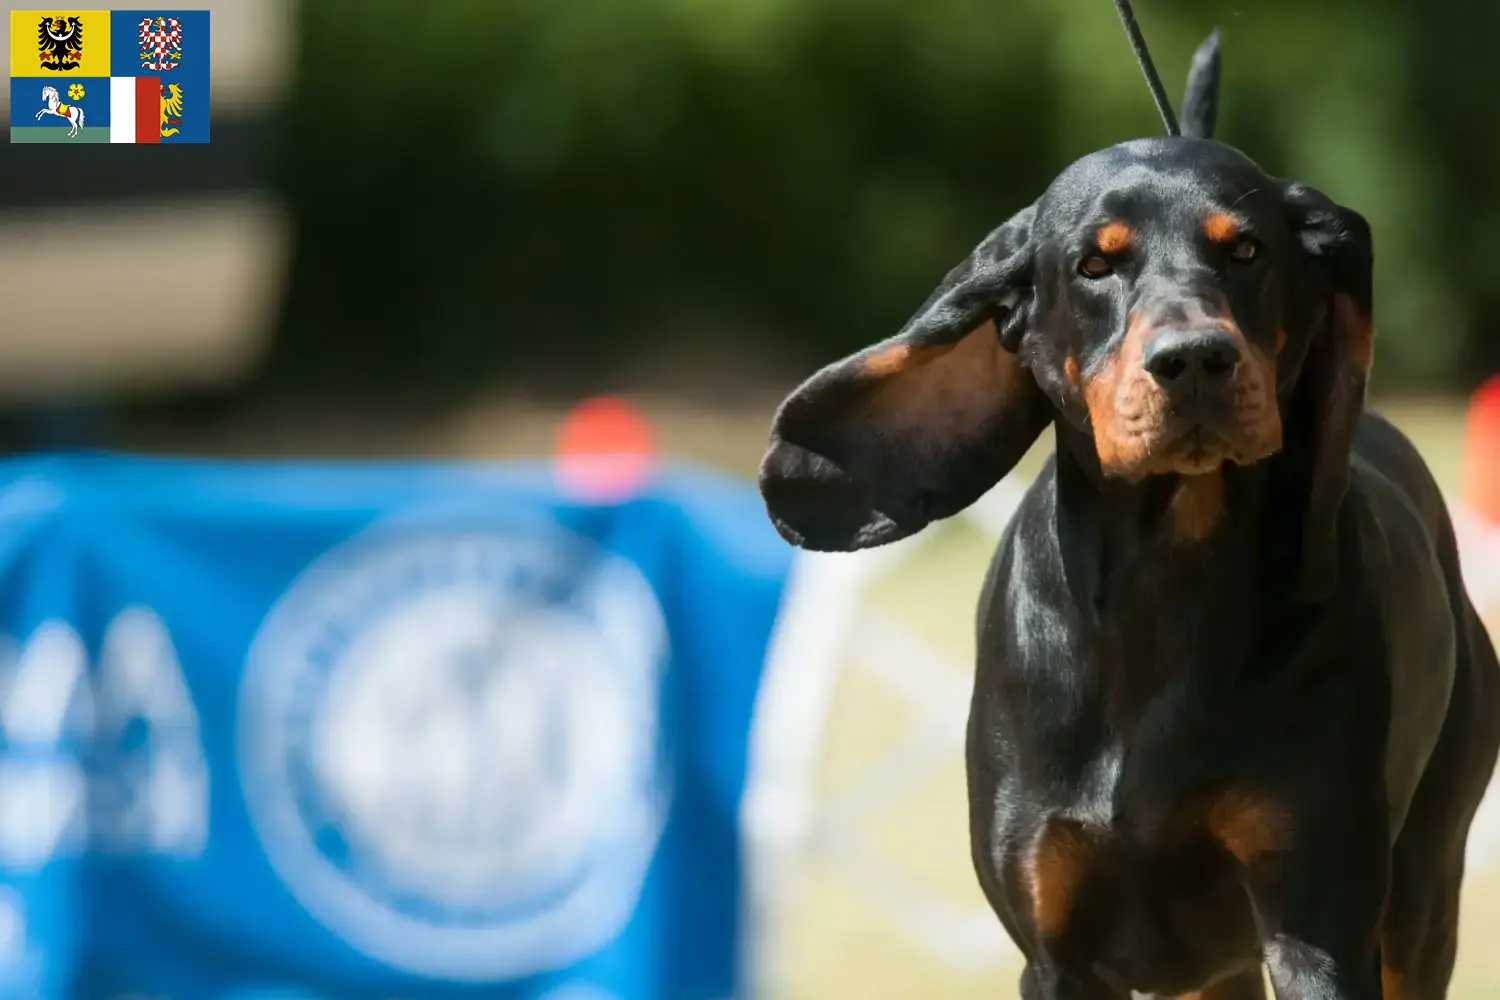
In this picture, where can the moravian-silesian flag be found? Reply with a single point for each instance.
(116, 76)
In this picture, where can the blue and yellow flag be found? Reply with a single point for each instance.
(132, 76)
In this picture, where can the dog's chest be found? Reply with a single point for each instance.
(1141, 880)
(1152, 795)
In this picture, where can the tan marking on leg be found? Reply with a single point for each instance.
(1058, 860)
(1249, 824)
(1392, 982)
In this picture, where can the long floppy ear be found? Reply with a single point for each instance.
(1330, 393)
(874, 447)
(1200, 101)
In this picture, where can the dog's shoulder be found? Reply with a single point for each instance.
(1407, 553)
(1386, 462)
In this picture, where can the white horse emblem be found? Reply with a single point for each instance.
(71, 112)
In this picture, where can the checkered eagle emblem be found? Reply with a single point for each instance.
(161, 43)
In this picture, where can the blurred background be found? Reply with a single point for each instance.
(427, 230)
(413, 212)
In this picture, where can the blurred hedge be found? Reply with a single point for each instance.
(516, 185)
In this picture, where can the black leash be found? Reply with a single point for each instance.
(1143, 56)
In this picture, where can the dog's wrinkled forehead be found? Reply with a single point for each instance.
(1156, 179)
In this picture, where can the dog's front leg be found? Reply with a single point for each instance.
(1319, 907)
(1043, 981)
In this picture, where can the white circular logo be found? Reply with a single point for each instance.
(449, 745)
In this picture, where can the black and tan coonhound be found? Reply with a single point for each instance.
(1233, 706)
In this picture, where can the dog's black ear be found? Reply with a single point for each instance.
(1330, 393)
(874, 447)
(1200, 102)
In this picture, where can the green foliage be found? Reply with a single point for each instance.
(530, 185)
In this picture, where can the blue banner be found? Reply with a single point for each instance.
(309, 730)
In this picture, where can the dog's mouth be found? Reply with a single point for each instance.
(1198, 450)
(1203, 451)
(1203, 447)
(1140, 432)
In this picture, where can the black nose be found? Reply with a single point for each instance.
(1191, 359)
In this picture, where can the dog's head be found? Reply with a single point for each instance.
(1164, 297)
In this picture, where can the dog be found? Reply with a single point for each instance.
(1233, 709)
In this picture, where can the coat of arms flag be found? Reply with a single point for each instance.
(116, 76)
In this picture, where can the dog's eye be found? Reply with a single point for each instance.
(1094, 266)
(1244, 251)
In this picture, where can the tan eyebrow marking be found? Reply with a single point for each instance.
(1113, 237)
(1221, 227)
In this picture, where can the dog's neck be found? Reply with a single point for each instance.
(1173, 524)
(1163, 570)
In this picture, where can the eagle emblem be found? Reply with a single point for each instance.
(171, 110)
(59, 42)
(161, 43)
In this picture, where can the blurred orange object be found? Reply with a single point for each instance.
(1480, 472)
(605, 450)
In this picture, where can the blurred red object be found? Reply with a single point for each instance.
(1480, 472)
(605, 450)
